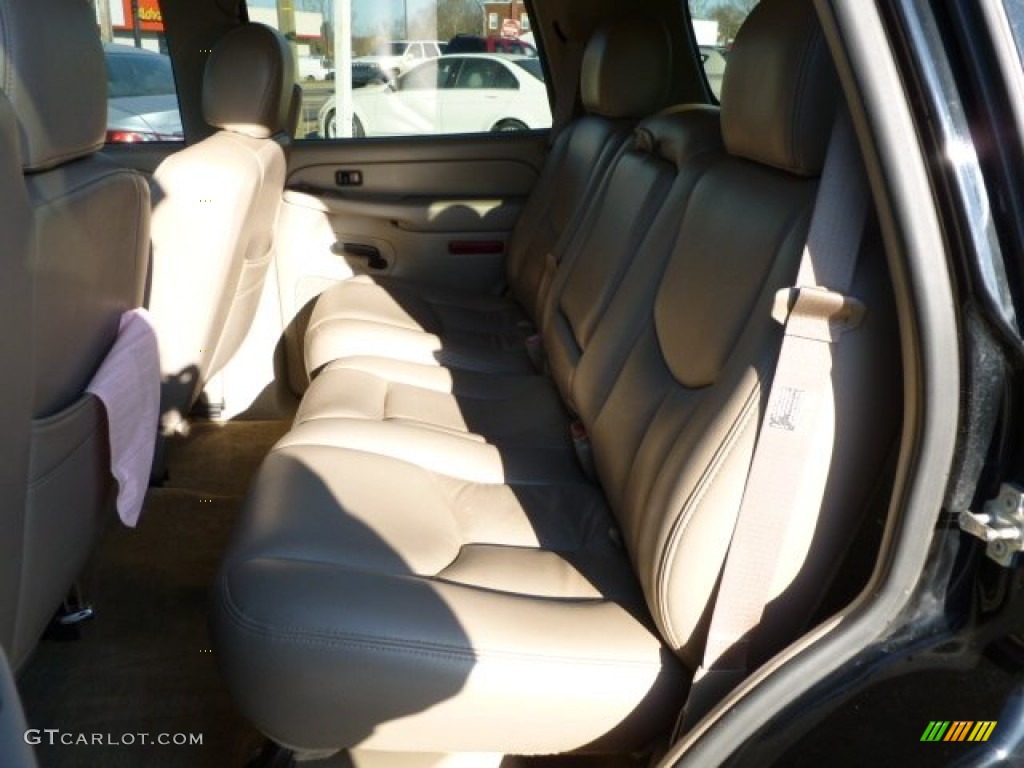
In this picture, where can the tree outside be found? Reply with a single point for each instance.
(455, 16)
(729, 14)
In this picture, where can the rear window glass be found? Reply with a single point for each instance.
(142, 75)
(715, 24)
(391, 49)
(532, 66)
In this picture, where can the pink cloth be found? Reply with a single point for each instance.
(128, 383)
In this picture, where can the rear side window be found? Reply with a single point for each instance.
(142, 101)
(426, 76)
(397, 81)
(715, 24)
(133, 75)
(532, 66)
(484, 73)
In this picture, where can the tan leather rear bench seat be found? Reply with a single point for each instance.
(423, 565)
(625, 240)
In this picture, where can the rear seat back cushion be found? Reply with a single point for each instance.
(674, 426)
(623, 79)
(630, 228)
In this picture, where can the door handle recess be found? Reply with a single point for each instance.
(361, 251)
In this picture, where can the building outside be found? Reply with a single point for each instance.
(115, 21)
(505, 18)
(114, 18)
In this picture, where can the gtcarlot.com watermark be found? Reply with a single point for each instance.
(55, 736)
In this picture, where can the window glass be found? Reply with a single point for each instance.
(532, 66)
(715, 23)
(142, 102)
(405, 76)
(1015, 14)
(427, 76)
(483, 73)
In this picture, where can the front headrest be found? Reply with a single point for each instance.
(625, 70)
(780, 90)
(247, 87)
(52, 71)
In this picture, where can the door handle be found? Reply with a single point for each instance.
(361, 251)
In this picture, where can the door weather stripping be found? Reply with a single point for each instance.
(1000, 525)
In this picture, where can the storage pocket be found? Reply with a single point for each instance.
(70, 492)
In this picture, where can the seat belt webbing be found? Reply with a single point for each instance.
(791, 460)
(569, 87)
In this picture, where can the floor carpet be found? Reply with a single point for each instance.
(144, 665)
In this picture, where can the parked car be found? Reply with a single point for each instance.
(142, 103)
(461, 93)
(714, 68)
(396, 57)
(462, 43)
(313, 68)
(366, 73)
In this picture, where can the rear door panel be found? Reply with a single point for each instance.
(438, 210)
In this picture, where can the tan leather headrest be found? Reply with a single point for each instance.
(247, 87)
(52, 71)
(676, 140)
(625, 70)
(780, 90)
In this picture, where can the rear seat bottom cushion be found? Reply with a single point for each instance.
(416, 306)
(509, 407)
(453, 630)
(408, 320)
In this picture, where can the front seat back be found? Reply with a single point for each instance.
(215, 209)
(15, 348)
(85, 268)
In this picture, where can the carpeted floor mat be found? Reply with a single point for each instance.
(144, 665)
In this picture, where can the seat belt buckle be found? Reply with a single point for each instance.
(815, 312)
(584, 451)
(535, 351)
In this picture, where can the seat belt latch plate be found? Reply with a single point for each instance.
(817, 313)
(1000, 524)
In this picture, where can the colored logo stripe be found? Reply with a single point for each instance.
(982, 730)
(959, 730)
(935, 731)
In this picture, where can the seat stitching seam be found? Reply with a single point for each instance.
(689, 507)
(307, 636)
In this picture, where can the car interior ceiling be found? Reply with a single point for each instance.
(463, 508)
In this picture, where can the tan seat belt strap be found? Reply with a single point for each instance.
(568, 86)
(792, 456)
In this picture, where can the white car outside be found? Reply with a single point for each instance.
(398, 56)
(458, 93)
